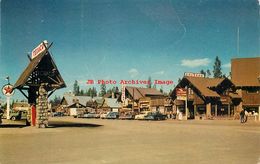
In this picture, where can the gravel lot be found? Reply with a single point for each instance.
(96, 141)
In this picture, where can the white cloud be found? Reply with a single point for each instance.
(159, 73)
(133, 72)
(195, 62)
(228, 65)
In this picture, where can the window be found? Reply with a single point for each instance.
(252, 90)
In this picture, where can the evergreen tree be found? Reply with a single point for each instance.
(179, 80)
(94, 92)
(203, 72)
(117, 89)
(208, 73)
(217, 68)
(102, 89)
(161, 89)
(81, 93)
(76, 88)
(149, 85)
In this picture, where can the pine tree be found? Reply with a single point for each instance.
(208, 73)
(102, 89)
(76, 88)
(203, 72)
(161, 89)
(94, 92)
(149, 85)
(217, 68)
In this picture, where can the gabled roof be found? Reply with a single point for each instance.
(28, 70)
(71, 99)
(112, 103)
(40, 63)
(138, 93)
(245, 72)
(203, 85)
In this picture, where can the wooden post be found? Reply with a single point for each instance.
(216, 110)
(195, 111)
(208, 110)
(259, 113)
(229, 110)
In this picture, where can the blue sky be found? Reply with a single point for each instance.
(127, 39)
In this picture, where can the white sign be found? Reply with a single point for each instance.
(193, 74)
(8, 90)
(181, 93)
(181, 97)
(123, 93)
(39, 49)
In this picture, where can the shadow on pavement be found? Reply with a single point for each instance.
(11, 126)
(71, 125)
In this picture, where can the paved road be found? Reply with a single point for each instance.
(95, 141)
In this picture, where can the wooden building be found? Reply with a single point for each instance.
(206, 97)
(144, 99)
(246, 76)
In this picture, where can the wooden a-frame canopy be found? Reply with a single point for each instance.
(41, 69)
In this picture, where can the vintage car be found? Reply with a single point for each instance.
(142, 115)
(19, 115)
(104, 115)
(127, 116)
(112, 115)
(90, 115)
(155, 116)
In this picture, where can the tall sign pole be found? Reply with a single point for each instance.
(186, 104)
(8, 91)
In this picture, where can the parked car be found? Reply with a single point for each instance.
(127, 116)
(57, 114)
(19, 115)
(155, 116)
(142, 115)
(112, 115)
(90, 115)
(104, 115)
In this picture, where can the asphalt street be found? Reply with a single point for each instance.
(97, 141)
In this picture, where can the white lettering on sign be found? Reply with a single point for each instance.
(190, 74)
(39, 49)
(181, 92)
(123, 93)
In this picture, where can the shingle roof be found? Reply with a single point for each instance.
(28, 70)
(112, 103)
(38, 62)
(245, 71)
(203, 85)
(71, 99)
(142, 92)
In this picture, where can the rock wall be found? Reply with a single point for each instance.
(42, 108)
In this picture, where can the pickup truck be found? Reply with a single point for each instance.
(19, 115)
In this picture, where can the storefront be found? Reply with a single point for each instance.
(205, 98)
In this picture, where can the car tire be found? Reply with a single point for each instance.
(13, 118)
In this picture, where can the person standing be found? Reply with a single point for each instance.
(242, 116)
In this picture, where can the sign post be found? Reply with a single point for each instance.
(123, 94)
(8, 92)
(182, 95)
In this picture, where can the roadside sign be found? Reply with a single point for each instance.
(190, 74)
(8, 90)
(123, 93)
(39, 49)
(181, 93)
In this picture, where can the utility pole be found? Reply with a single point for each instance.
(238, 42)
